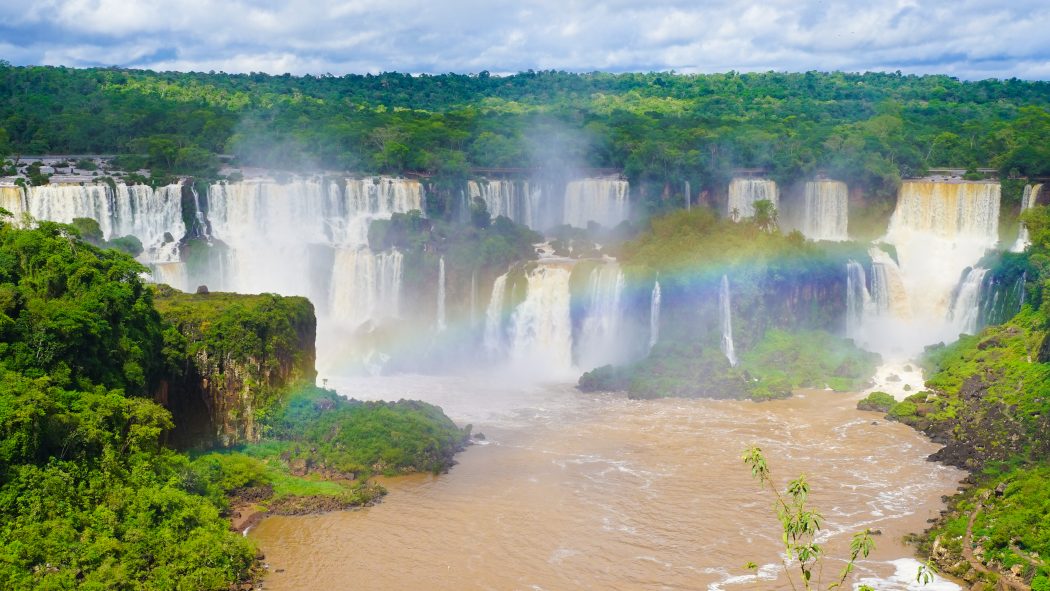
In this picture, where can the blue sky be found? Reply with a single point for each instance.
(971, 39)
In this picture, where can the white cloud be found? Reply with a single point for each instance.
(967, 38)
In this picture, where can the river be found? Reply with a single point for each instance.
(595, 491)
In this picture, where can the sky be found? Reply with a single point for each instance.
(970, 39)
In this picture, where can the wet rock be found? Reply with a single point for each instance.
(893, 378)
(202, 290)
(999, 490)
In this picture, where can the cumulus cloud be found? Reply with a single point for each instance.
(966, 38)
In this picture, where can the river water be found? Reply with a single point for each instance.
(595, 491)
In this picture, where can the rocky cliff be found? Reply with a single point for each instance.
(231, 359)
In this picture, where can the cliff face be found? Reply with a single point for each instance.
(231, 360)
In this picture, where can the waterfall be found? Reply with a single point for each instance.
(601, 200)
(688, 197)
(374, 199)
(493, 340)
(202, 220)
(965, 310)
(726, 313)
(541, 326)
(888, 293)
(12, 198)
(858, 299)
(365, 286)
(600, 342)
(743, 193)
(1029, 200)
(269, 228)
(152, 216)
(515, 200)
(938, 230)
(654, 316)
(826, 210)
(441, 295)
(274, 229)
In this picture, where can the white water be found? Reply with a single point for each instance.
(365, 286)
(966, 309)
(825, 216)
(905, 578)
(858, 299)
(654, 316)
(282, 236)
(600, 340)
(12, 198)
(938, 229)
(726, 314)
(493, 339)
(516, 200)
(601, 200)
(137, 211)
(1028, 201)
(743, 193)
(441, 326)
(541, 326)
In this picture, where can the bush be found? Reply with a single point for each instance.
(877, 401)
(903, 410)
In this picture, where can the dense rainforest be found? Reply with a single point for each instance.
(658, 128)
(102, 374)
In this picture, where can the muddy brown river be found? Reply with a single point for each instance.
(584, 491)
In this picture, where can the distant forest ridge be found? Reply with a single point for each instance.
(869, 129)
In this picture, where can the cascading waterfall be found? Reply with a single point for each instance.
(937, 230)
(152, 216)
(271, 229)
(202, 220)
(600, 342)
(889, 296)
(825, 216)
(966, 308)
(654, 316)
(366, 286)
(858, 299)
(12, 198)
(726, 316)
(743, 193)
(541, 326)
(441, 296)
(493, 339)
(601, 200)
(1028, 200)
(516, 200)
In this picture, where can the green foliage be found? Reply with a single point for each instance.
(809, 359)
(903, 410)
(90, 497)
(877, 401)
(781, 362)
(801, 526)
(74, 312)
(325, 430)
(867, 129)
